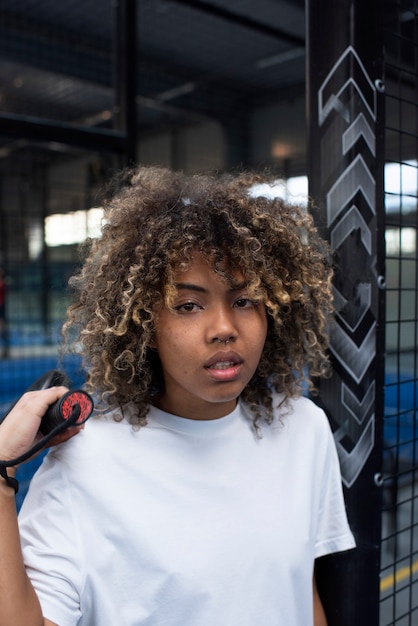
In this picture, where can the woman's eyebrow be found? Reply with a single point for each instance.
(198, 288)
(190, 287)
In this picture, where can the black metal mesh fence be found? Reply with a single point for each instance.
(56, 59)
(57, 83)
(399, 565)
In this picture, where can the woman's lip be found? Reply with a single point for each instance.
(227, 374)
(229, 362)
(224, 357)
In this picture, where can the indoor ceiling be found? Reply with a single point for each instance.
(195, 59)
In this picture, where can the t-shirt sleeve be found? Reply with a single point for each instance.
(333, 533)
(51, 545)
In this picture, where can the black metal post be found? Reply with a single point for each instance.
(44, 261)
(345, 99)
(125, 75)
(4, 262)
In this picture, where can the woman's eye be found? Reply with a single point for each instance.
(187, 307)
(245, 303)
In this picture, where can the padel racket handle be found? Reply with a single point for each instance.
(63, 409)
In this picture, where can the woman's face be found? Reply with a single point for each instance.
(210, 343)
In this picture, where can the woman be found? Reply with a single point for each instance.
(207, 485)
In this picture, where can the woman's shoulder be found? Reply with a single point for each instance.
(301, 411)
(304, 403)
(101, 432)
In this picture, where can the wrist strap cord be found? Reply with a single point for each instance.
(12, 482)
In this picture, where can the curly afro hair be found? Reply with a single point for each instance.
(154, 221)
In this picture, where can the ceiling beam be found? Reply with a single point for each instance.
(242, 20)
(41, 130)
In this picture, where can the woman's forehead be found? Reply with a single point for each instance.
(217, 261)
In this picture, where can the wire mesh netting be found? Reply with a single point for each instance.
(399, 565)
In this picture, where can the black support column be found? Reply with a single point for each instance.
(345, 155)
(125, 75)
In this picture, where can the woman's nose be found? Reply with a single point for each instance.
(222, 327)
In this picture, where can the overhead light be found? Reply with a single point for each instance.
(281, 150)
(176, 92)
(282, 57)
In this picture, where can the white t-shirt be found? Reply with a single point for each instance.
(185, 522)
